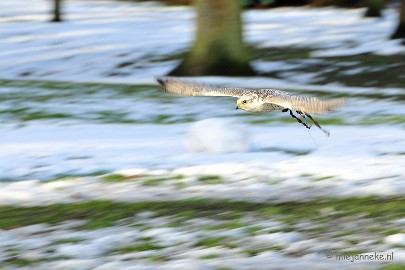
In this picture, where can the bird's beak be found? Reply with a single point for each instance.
(237, 107)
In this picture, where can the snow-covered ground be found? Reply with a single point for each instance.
(283, 164)
(123, 42)
(101, 130)
(50, 131)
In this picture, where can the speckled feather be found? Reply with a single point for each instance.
(311, 105)
(188, 88)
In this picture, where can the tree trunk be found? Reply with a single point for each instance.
(400, 31)
(374, 8)
(56, 11)
(218, 47)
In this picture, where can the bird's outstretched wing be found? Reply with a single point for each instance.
(309, 105)
(188, 88)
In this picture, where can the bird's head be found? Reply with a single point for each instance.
(247, 102)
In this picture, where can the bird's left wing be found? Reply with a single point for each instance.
(310, 105)
(188, 88)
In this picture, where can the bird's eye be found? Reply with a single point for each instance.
(244, 102)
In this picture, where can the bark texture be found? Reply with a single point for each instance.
(218, 47)
(374, 8)
(56, 11)
(400, 30)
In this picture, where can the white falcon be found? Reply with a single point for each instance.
(257, 100)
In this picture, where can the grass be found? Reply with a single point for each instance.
(115, 178)
(13, 257)
(380, 70)
(227, 226)
(210, 241)
(280, 53)
(67, 87)
(99, 214)
(145, 180)
(391, 231)
(324, 121)
(256, 251)
(137, 248)
(210, 179)
(19, 261)
(157, 258)
(187, 214)
(321, 178)
(376, 70)
(67, 241)
(253, 230)
(287, 151)
(28, 102)
(210, 256)
(155, 181)
(27, 114)
(394, 266)
(65, 177)
(31, 100)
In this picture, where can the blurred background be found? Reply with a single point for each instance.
(101, 170)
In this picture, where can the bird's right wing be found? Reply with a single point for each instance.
(188, 88)
(304, 104)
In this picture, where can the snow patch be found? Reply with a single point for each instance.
(216, 136)
(395, 239)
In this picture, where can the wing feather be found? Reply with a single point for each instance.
(310, 105)
(188, 88)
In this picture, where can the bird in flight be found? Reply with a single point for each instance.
(257, 100)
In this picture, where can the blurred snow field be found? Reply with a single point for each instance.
(75, 143)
